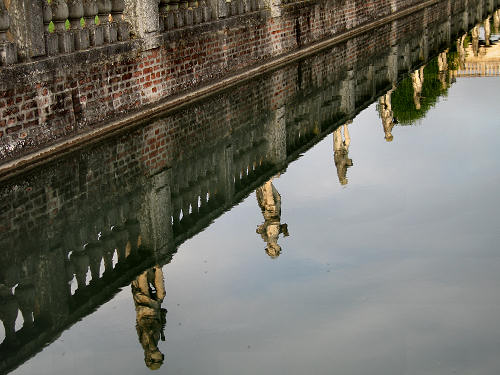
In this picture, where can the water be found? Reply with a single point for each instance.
(374, 252)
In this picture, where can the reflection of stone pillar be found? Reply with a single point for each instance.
(155, 213)
(269, 201)
(475, 40)
(487, 30)
(392, 65)
(276, 136)
(386, 114)
(417, 80)
(347, 104)
(148, 291)
(341, 152)
(51, 287)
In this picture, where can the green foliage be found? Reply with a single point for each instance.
(403, 105)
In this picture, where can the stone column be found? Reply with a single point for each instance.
(8, 51)
(26, 26)
(143, 17)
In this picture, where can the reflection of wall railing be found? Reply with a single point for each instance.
(478, 69)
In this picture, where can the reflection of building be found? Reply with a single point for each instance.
(417, 80)
(443, 68)
(269, 201)
(148, 291)
(341, 152)
(386, 114)
(477, 60)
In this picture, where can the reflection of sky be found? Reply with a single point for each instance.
(396, 273)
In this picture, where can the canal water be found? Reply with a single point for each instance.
(371, 247)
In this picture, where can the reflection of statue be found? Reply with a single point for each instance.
(487, 30)
(270, 203)
(341, 152)
(417, 80)
(385, 110)
(496, 20)
(148, 291)
(443, 68)
(475, 40)
(461, 51)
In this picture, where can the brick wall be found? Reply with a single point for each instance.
(53, 99)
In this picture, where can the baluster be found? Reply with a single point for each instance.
(60, 14)
(25, 295)
(109, 246)
(51, 40)
(95, 253)
(121, 238)
(8, 313)
(206, 11)
(164, 13)
(80, 261)
(96, 35)
(104, 9)
(8, 50)
(76, 13)
(123, 29)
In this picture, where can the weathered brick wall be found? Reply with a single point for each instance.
(50, 100)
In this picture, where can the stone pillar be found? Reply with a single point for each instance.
(155, 213)
(143, 17)
(104, 10)
(8, 51)
(26, 26)
(96, 35)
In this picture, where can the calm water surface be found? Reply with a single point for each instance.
(393, 270)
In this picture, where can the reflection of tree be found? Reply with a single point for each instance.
(415, 95)
(269, 201)
(385, 111)
(148, 291)
(341, 152)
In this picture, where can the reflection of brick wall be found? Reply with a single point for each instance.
(50, 100)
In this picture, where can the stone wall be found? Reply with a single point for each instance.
(50, 99)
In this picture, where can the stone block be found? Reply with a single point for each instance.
(81, 38)
(8, 53)
(96, 35)
(123, 31)
(66, 41)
